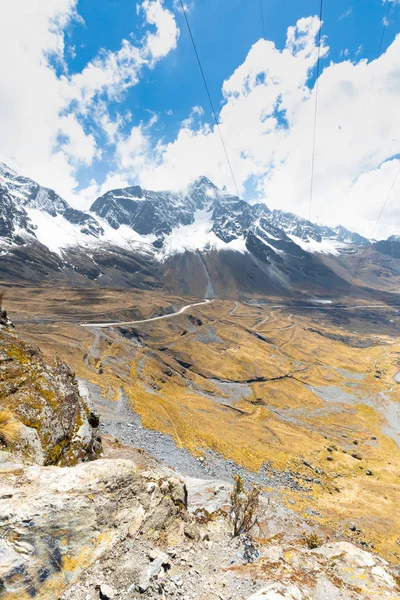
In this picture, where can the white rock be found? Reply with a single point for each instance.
(278, 591)
(106, 592)
(382, 575)
(91, 507)
(353, 554)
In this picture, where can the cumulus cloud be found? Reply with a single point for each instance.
(48, 116)
(159, 44)
(267, 121)
(54, 123)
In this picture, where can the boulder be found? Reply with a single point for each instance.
(330, 572)
(4, 320)
(55, 522)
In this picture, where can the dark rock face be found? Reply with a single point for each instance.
(306, 230)
(147, 212)
(390, 247)
(232, 218)
(13, 218)
(265, 253)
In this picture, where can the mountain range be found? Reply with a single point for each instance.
(202, 241)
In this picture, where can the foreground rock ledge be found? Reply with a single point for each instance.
(55, 522)
(56, 426)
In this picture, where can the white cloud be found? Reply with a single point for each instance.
(266, 118)
(44, 115)
(188, 6)
(267, 125)
(165, 39)
(132, 151)
(79, 146)
(196, 112)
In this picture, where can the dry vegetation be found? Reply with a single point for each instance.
(245, 505)
(9, 428)
(270, 413)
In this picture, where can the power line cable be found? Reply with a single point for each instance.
(209, 97)
(315, 111)
(378, 54)
(376, 223)
(385, 24)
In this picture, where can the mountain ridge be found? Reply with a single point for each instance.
(156, 213)
(133, 236)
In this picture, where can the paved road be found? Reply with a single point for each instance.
(169, 316)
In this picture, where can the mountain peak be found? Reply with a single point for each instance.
(203, 181)
(6, 170)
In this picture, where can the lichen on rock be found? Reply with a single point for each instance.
(48, 540)
(57, 426)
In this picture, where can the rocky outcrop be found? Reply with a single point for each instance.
(112, 529)
(334, 571)
(48, 539)
(56, 426)
(4, 320)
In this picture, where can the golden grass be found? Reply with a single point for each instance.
(9, 427)
(281, 421)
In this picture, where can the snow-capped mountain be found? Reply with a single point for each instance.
(229, 218)
(23, 203)
(132, 234)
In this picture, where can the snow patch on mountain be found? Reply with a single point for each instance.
(274, 248)
(325, 246)
(54, 232)
(198, 236)
(126, 237)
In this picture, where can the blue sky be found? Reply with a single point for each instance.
(224, 30)
(84, 111)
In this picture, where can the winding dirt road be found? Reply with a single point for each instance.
(168, 316)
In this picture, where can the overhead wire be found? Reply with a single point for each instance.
(315, 112)
(375, 225)
(378, 53)
(385, 24)
(209, 97)
(362, 255)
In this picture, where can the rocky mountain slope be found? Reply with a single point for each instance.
(148, 239)
(44, 418)
(127, 526)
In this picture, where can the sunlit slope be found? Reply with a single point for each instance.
(308, 394)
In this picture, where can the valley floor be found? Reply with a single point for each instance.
(299, 395)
